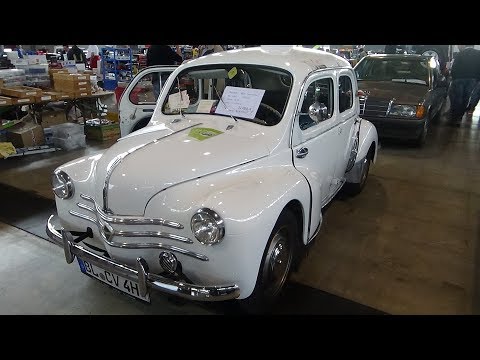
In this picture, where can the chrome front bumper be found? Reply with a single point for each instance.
(140, 274)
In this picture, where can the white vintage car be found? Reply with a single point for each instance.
(217, 196)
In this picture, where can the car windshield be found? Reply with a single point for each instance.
(246, 92)
(413, 71)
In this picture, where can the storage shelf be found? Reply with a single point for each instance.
(110, 66)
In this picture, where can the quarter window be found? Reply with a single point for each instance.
(345, 93)
(320, 91)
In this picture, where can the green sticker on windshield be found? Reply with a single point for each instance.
(203, 133)
(232, 73)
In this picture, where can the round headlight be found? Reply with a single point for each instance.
(62, 185)
(207, 226)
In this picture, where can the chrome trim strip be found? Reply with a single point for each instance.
(131, 220)
(156, 246)
(158, 234)
(140, 274)
(53, 233)
(119, 158)
(83, 216)
(85, 207)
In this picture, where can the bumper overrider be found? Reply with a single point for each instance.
(140, 273)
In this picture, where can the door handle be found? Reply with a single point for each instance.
(147, 110)
(302, 152)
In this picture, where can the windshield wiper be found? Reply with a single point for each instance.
(229, 111)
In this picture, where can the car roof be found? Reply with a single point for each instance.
(298, 60)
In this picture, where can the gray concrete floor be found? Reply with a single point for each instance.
(406, 245)
(35, 279)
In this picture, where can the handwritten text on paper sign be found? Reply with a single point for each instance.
(241, 102)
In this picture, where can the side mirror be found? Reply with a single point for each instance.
(318, 112)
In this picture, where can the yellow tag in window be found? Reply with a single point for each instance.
(232, 73)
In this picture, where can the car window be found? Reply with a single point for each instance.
(205, 85)
(147, 89)
(320, 91)
(401, 69)
(345, 93)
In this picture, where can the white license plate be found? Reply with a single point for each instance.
(118, 282)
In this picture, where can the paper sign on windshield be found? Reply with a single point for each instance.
(179, 100)
(205, 106)
(241, 102)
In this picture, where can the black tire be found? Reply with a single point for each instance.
(353, 189)
(422, 138)
(270, 283)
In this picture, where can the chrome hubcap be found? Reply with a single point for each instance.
(279, 259)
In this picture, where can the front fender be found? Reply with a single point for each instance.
(368, 136)
(250, 200)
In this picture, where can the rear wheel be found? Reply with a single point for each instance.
(356, 188)
(278, 259)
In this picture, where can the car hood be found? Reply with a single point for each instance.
(402, 93)
(139, 166)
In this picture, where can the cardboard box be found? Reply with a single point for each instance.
(44, 97)
(23, 101)
(53, 95)
(112, 116)
(5, 101)
(103, 132)
(20, 91)
(71, 77)
(53, 117)
(25, 135)
(77, 94)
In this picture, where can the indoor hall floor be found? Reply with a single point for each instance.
(406, 245)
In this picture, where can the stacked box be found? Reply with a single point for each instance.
(5, 101)
(77, 85)
(103, 132)
(21, 91)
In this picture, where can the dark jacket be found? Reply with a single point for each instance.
(75, 53)
(466, 65)
(162, 55)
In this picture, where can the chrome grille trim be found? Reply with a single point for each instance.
(158, 234)
(83, 216)
(373, 107)
(102, 220)
(86, 207)
(156, 246)
(130, 220)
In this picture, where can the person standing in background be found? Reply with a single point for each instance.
(92, 49)
(465, 74)
(162, 55)
(77, 54)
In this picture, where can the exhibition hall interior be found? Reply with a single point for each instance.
(239, 179)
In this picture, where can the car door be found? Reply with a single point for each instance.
(315, 145)
(347, 129)
(139, 98)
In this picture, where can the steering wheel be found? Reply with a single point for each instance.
(270, 116)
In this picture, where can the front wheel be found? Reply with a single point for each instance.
(276, 265)
(422, 138)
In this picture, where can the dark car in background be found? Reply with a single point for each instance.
(402, 94)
